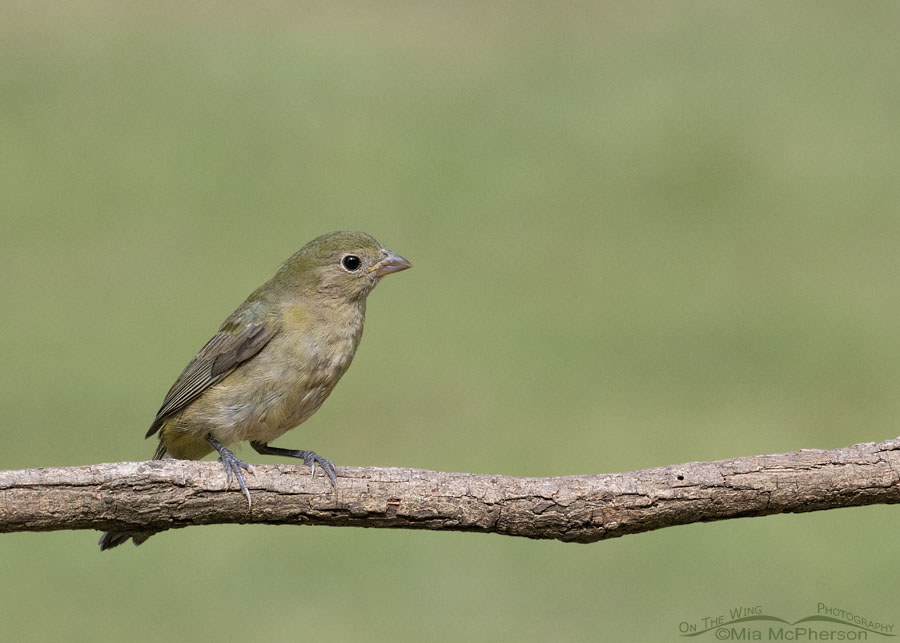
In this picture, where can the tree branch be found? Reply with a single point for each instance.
(167, 494)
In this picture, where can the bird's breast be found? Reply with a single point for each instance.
(293, 376)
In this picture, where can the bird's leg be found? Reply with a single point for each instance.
(232, 466)
(310, 458)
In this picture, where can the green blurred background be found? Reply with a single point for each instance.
(643, 234)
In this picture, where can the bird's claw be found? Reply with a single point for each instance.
(311, 459)
(233, 466)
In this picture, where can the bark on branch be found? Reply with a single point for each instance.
(167, 494)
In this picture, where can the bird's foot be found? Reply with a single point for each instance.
(233, 466)
(310, 458)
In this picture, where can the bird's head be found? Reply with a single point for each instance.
(340, 265)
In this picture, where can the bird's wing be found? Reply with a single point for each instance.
(241, 337)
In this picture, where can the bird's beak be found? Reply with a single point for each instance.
(389, 263)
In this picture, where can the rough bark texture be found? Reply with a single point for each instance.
(160, 495)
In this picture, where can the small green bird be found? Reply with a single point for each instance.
(274, 360)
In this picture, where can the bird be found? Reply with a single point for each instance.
(273, 361)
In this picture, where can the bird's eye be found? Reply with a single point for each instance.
(351, 263)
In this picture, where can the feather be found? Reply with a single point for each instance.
(241, 337)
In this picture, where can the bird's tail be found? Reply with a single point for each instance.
(111, 539)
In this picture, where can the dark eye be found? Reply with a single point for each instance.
(351, 263)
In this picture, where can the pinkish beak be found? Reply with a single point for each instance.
(390, 263)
